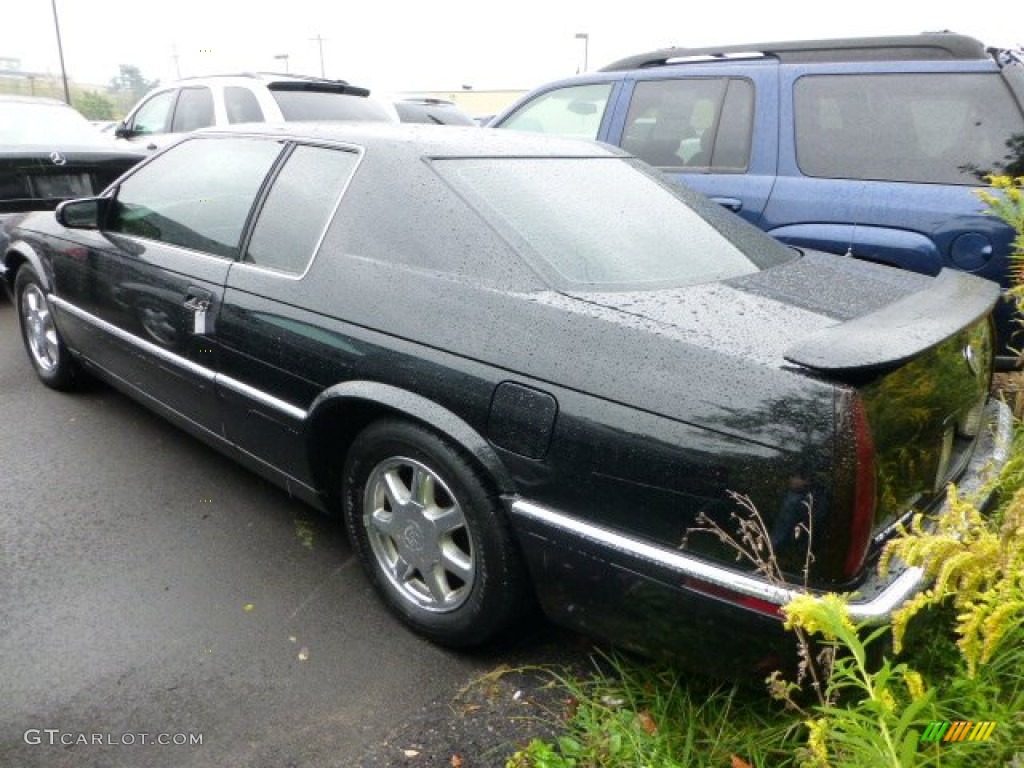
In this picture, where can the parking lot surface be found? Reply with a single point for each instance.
(154, 593)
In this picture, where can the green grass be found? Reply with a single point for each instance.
(635, 713)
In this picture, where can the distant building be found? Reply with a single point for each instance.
(475, 103)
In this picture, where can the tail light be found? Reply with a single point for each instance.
(757, 604)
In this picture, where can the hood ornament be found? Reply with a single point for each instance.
(57, 158)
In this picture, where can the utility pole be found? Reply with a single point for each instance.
(585, 37)
(320, 43)
(174, 55)
(60, 51)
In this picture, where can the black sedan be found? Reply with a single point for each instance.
(50, 153)
(522, 368)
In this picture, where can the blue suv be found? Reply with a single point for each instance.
(870, 147)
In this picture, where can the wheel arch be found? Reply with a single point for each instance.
(341, 412)
(18, 254)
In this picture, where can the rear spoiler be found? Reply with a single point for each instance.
(319, 86)
(893, 335)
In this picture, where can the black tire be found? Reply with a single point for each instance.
(439, 552)
(46, 350)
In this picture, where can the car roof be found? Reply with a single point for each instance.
(427, 140)
(933, 46)
(8, 97)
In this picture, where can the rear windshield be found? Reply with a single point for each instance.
(609, 223)
(44, 123)
(939, 128)
(297, 106)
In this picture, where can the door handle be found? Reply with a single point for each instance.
(732, 203)
(198, 299)
(198, 302)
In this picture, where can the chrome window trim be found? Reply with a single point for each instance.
(206, 374)
(226, 261)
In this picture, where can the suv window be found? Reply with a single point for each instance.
(299, 207)
(692, 122)
(196, 195)
(948, 128)
(324, 105)
(241, 105)
(154, 115)
(194, 110)
(574, 111)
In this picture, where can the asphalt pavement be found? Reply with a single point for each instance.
(161, 606)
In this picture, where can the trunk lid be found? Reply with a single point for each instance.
(38, 178)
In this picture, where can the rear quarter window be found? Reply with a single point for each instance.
(940, 128)
(298, 207)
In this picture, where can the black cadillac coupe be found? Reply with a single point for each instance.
(523, 368)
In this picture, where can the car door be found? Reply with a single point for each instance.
(708, 128)
(276, 355)
(145, 292)
(166, 116)
(148, 124)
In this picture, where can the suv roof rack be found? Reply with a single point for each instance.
(265, 75)
(939, 45)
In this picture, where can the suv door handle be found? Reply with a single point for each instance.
(732, 203)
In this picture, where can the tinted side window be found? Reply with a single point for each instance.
(194, 110)
(299, 207)
(934, 128)
(197, 195)
(575, 111)
(731, 150)
(693, 122)
(241, 105)
(155, 114)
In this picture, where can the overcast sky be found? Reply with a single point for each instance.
(441, 45)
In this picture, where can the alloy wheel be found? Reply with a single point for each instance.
(418, 533)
